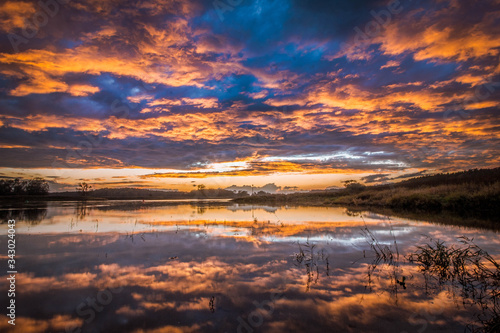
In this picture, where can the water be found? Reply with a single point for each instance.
(125, 266)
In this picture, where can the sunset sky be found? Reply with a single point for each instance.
(169, 94)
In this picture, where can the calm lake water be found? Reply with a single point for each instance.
(220, 267)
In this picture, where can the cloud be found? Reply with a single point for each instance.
(240, 263)
(283, 80)
(376, 178)
(444, 33)
(14, 13)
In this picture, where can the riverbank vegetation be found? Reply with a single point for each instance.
(473, 193)
(13, 187)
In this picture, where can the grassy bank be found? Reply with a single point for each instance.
(471, 194)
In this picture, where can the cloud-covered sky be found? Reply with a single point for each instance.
(231, 89)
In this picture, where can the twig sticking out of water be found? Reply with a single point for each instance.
(386, 256)
(211, 304)
(311, 261)
(467, 268)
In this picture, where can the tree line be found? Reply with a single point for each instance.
(35, 186)
(472, 176)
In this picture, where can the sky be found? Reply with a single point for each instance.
(169, 94)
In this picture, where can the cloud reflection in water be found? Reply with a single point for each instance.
(184, 269)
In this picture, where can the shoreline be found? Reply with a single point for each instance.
(443, 217)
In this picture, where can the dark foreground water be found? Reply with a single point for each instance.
(226, 268)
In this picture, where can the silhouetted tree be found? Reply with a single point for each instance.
(19, 186)
(37, 186)
(84, 188)
(353, 185)
(5, 187)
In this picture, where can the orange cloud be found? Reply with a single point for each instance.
(14, 13)
(434, 36)
(171, 329)
(82, 90)
(29, 325)
(33, 123)
(43, 70)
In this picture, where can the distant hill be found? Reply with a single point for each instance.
(143, 194)
(268, 188)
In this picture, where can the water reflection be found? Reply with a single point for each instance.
(229, 269)
(82, 209)
(466, 270)
(311, 259)
(30, 215)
